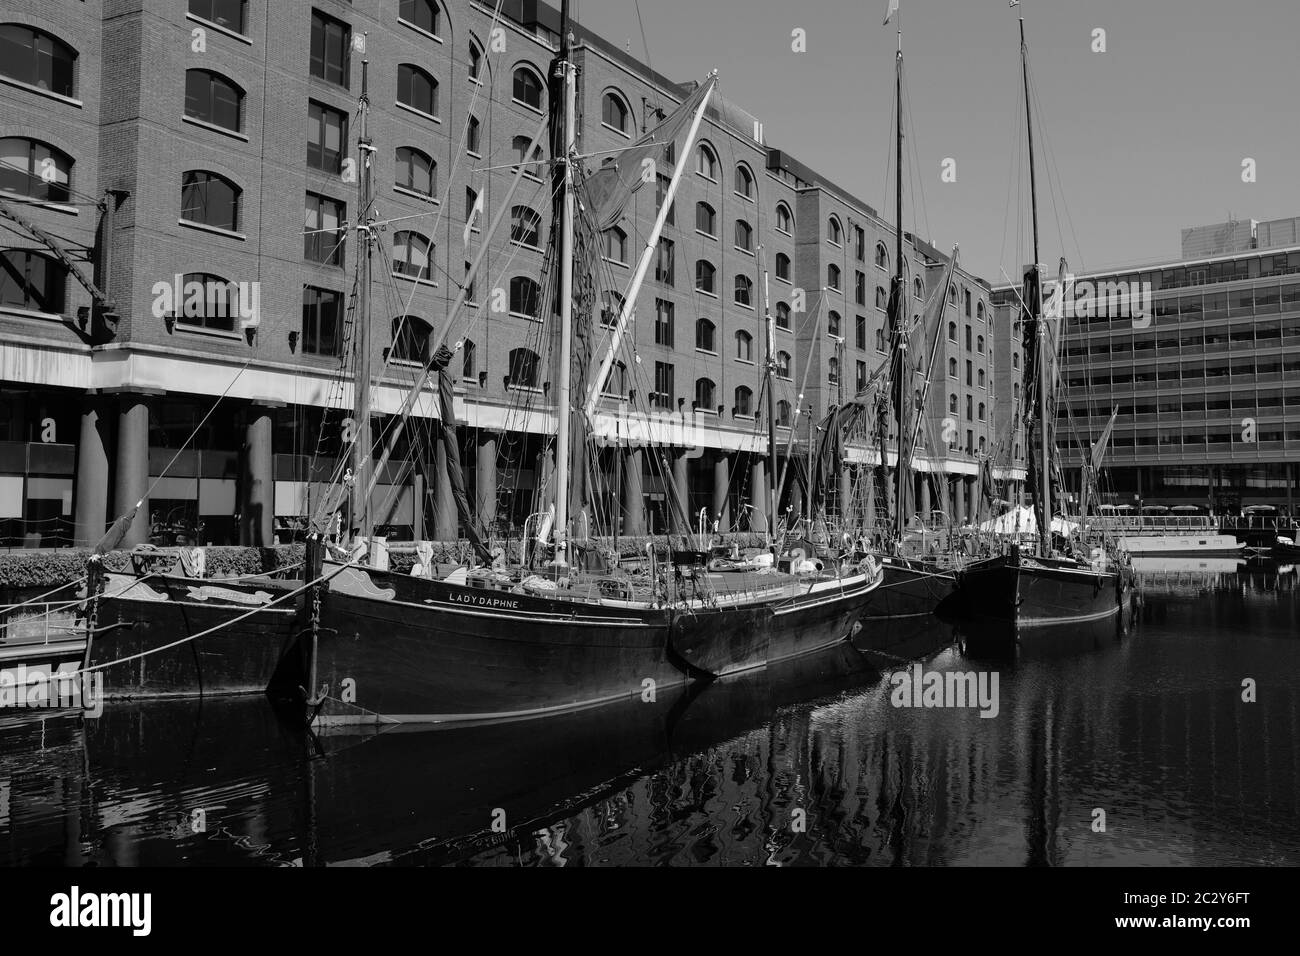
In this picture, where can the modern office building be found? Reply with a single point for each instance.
(1207, 385)
(150, 147)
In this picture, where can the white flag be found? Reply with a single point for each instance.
(893, 8)
(475, 211)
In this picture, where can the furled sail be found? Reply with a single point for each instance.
(447, 435)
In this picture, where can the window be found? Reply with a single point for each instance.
(662, 396)
(322, 330)
(833, 277)
(210, 199)
(880, 340)
(525, 294)
(882, 298)
(611, 309)
(473, 136)
(520, 145)
(213, 99)
(470, 299)
(471, 203)
(833, 371)
(882, 256)
(859, 287)
(784, 221)
(527, 88)
(744, 402)
(980, 378)
(744, 182)
(968, 339)
(324, 238)
(30, 280)
(614, 113)
(230, 14)
(966, 296)
(833, 323)
(979, 344)
(860, 332)
(744, 346)
(418, 90)
(705, 332)
(664, 312)
(523, 369)
(1015, 360)
(860, 243)
(416, 171)
(420, 13)
(525, 226)
(661, 193)
(706, 219)
(952, 331)
(30, 168)
(979, 310)
(615, 381)
(412, 255)
(216, 309)
(952, 404)
(475, 63)
(782, 316)
(783, 365)
(331, 45)
(744, 236)
(706, 277)
(918, 288)
(469, 361)
(706, 164)
(833, 231)
(952, 368)
(34, 57)
(783, 414)
(860, 382)
(968, 408)
(969, 379)
(744, 289)
(981, 415)
(705, 395)
(327, 132)
(664, 259)
(783, 266)
(616, 245)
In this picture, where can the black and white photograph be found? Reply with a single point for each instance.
(645, 434)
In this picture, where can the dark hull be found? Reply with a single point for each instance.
(909, 589)
(1028, 592)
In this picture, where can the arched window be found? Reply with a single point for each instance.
(952, 368)
(527, 88)
(525, 226)
(704, 335)
(744, 401)
(981, 441)
(417, 89)
(981, 414)
(614, 112)
(421, 13)
(212, 98)
(882, 256)
(475, 62)
(412, 255)
(416, 171)
(833, 277)
(880, 340)
(706, 220)
(705, 277)
(616, 245)
(705, 394)
(744, 236)
(782, 316)
(32, 281)
(784, 220)
(744, 290)
(783, 414)
(524, 367)
(782, 364)
(980, 378)
(1015, 391)
(35, 57)
(34, 169)
(918, 288)
(952, 331)
(833, 231)
(882, 298)
(744, 182)
(469, 361)
(979, 310)
(833, 322)
(520, 146)
(833, 371)
(525, 294)
(783, 266)
(410, 340)
(952, 294)
(952, 404)
(474, 136)
(979, 344)
(210, 199)
(744, 346)
(1015, 360)
(706, 164)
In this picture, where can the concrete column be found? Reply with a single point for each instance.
(923, 497)
(721, 479)
(633, 495)
(257, 490)
(959, 501)
(446, 522)
(758, 499)
(90, 513)
(485, 485)
(681, 482)
(132, 480)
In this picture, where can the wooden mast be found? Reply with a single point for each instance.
(563, 400)
(362, 464)
(902, 470)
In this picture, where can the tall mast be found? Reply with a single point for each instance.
(770, 327)
(566, 298)
(1035, 306)
(362, 464)
(902, 471)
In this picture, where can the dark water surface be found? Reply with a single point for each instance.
(808, 763)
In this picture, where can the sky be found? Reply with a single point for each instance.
(1133, 144)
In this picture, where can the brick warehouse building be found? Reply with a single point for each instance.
(1209, 406)
(144, 140)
